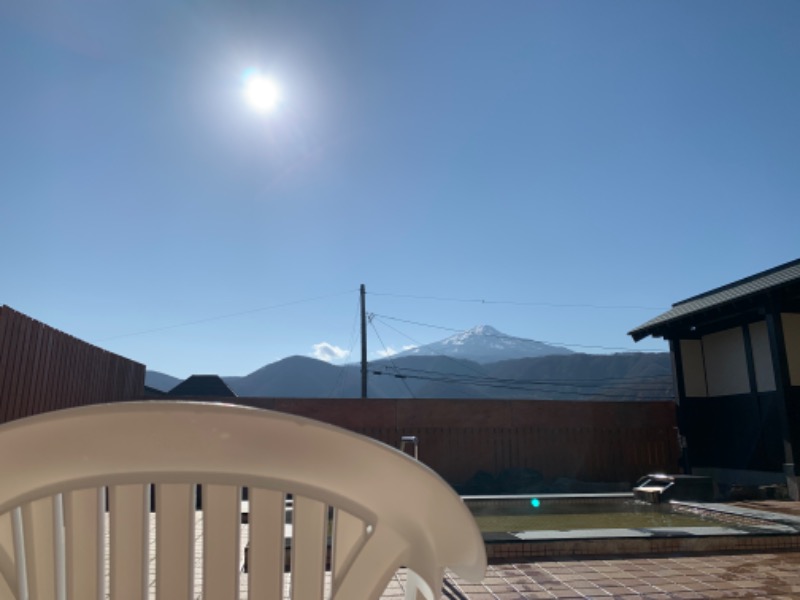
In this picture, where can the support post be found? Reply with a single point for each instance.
(780, 365)
(680, 403)
(363, 342)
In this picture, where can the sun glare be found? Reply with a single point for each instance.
(261, 93)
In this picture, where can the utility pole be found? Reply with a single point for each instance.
(363, 342)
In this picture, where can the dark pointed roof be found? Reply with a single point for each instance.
(762, 283)
(202, 385)
(151, 391)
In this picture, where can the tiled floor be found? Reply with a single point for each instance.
(775, 576)
(772, 575)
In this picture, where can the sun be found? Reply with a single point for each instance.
(262, 93)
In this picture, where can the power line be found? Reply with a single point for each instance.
(645, 380)
(388, 356)
(640, 380)
(467, 365)
(483, 380)
(456, 380)
(519, 303)
(511, 337)
(227, 316)
(353, 338)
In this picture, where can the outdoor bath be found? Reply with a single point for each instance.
(549, 525)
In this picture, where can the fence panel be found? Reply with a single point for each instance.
(591, 441)
(44, 369)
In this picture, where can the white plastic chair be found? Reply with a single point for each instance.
(59, 540)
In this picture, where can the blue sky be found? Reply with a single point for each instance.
(584, 163)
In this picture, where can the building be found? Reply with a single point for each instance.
(198, 386)
(736, 362)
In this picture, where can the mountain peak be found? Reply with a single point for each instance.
(484, 344)
(484, 330)
(479, 331)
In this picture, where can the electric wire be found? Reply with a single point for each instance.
(518, 302)
(646, 381)
(227, 316)
(353, 337)
(467, 364)
(482, 380)
(503, 336)
(596, 394)
(389, 357)
(539, 384)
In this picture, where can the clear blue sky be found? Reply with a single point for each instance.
(589, 162)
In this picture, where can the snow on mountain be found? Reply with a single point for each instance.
(485, 344)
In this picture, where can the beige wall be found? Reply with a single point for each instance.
(762, 358)
(716, 365)
(726, 363)
(791, 332)
(694, 372)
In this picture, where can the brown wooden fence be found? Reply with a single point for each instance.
(43, 369)
(588, 441)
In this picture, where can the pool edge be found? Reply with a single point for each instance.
(776, 533)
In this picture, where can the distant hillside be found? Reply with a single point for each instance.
(289, 377)
(629, 376)
(160, 381)
(479, 363)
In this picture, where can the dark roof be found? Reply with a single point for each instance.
(202, 385)
(754, 285)
(151, 391)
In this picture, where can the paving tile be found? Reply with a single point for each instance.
(614, 591)
(772, 575)
(567, 594)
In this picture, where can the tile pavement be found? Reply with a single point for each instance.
(758, 574)
(766, 575)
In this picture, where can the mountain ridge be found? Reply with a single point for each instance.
(485, 344)
(626, 376)
(481, 362)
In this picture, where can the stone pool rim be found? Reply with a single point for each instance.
(773, 532)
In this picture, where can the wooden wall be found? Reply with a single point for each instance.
(589, 441)
(43, 369)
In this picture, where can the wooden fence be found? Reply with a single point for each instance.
(588, 441)
(43, 369)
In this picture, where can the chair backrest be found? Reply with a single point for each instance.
(76, 520)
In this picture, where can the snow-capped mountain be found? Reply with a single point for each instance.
(485, 344)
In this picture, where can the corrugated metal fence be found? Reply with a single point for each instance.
(44, 369)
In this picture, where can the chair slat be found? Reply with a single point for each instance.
(309, 543)
(8, 567)
(221, 524)
(175, 510)
(372, 566)
(59, 540)
(128, 505)
(84, 524)
(349, 534)
(265, 555)
(130, 444)
(40, 550)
